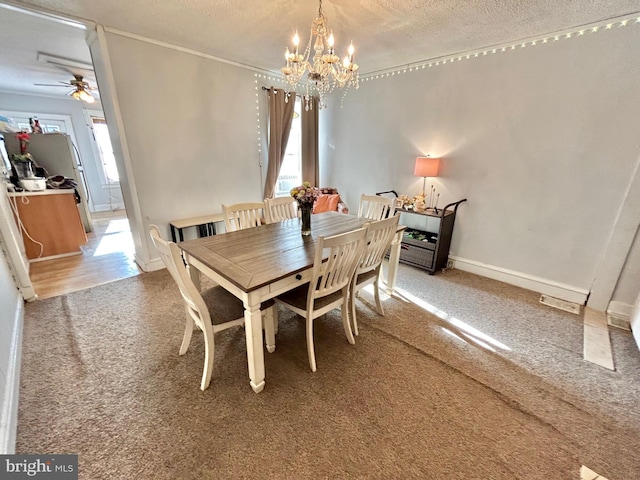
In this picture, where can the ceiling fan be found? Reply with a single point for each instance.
(82, 88)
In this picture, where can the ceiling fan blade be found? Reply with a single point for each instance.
(79, 88)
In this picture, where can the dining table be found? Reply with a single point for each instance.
(260, 263)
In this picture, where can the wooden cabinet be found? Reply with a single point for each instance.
(427, 244)
(50, 218)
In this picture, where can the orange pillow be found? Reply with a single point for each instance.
(326, 203)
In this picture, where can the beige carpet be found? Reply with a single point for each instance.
(492, 387)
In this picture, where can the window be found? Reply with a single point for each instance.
(291, 169)
(107, 159)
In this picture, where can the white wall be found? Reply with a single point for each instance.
(542, 141)
(11, 315)
(101, 197)
(629, 283)
(628, 286)
(191, 132)
(635, 321)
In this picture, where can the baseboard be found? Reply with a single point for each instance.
(150, 266)
(9, 400)
(523, 280)
(619, 315)
(108, 207)
(620, 310)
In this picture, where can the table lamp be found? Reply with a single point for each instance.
(426, 167)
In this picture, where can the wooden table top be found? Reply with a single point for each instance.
(258, 256)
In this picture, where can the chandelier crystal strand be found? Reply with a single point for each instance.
(325, 72)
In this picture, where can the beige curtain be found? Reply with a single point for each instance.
(281, 105)
(310, 154)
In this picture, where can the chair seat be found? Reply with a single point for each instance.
(366, 276)
(217, 297)
(226, 306)
(267, 304)
(298, 298)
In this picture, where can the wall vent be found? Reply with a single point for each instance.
(561, 304)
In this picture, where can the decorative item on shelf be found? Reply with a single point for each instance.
(405, 202)
(419, 204)
(305, 195)
(35, 125)
(325, 73)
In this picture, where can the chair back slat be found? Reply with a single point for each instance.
(243, 215)
(379, 237)
(280, 208)
(375, 207)
(334, 273)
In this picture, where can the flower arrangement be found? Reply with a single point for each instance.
(305, 194)
(23, 138)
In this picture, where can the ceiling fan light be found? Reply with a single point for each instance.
(86, 96)
(82, 94)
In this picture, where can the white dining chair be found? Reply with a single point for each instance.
(369, 269)
(212, 311)
(239, 216)
(329, 284)
(375, 207)
(278, 209)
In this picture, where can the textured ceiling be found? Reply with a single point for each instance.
(386, 33)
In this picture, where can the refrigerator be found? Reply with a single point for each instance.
(58, 155)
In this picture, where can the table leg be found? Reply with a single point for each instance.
(255, 352)
(194, 273)
(269, 318)
(394, 258)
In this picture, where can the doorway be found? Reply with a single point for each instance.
(105, 160)
(107, 256)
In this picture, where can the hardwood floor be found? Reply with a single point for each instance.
(107, 256)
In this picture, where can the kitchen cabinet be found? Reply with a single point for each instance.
(427, 239)
(50, 223)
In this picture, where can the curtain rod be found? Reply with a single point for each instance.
(268, 89)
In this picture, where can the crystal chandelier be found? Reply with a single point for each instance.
(324, 71)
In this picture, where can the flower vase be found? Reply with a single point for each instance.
(306, 219)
